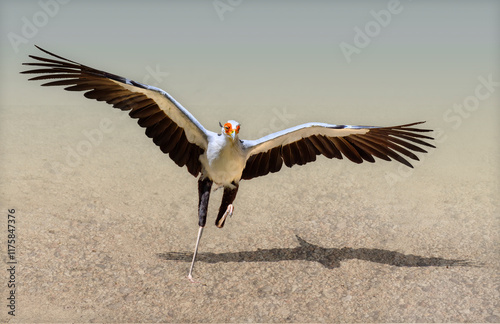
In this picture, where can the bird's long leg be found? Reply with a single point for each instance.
(204, 186)
(226, 207)
(190, 275)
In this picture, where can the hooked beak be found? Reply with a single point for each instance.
(233, 135)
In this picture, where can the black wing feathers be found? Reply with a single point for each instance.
(98, 85)
(385, 143)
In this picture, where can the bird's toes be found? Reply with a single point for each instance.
(229, 212)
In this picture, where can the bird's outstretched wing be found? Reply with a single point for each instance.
(169, 124)
(300, 145)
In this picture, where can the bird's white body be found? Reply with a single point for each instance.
(224, 160)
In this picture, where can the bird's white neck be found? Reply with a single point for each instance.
(225, 160)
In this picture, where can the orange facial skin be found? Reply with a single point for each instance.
(228, 128)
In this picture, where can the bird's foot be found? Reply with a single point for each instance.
(229, 212)
(190, 278)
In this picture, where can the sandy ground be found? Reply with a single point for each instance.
(107, 236)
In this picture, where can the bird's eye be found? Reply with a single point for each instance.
(237, 128)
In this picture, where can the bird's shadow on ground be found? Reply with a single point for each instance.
(328, 257)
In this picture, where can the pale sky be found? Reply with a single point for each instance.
(222, 57)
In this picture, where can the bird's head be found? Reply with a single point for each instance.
(230, 129)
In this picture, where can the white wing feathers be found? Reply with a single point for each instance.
(299, 132)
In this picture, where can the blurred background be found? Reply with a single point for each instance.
(365, 63)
